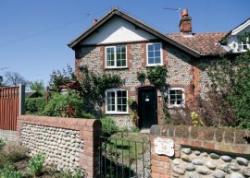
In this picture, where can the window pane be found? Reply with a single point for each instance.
(110, 56)
(176, 97)
(121, 101)
(154, 53)
(121, 56)
(111, 101)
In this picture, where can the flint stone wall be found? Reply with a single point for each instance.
(68, 144)
(202, 152)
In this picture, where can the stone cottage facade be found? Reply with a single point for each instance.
(120, 44)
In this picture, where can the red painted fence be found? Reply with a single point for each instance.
(9, 107)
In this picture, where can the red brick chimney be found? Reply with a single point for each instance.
(185, 22)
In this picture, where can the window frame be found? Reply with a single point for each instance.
(115, 57)
(116, 99)
(241, 45)
(176, 105)
(161, 55)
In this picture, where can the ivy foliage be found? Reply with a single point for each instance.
(93, 87)
(157, 76)
(230, 78)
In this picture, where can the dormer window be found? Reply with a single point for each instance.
(116, 56)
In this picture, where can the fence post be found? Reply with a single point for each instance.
(21, 99)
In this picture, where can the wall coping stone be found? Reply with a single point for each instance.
(219, 139)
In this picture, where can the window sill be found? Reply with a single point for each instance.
(153, 65)
(115, 68)
(176, 107)
(117, 113)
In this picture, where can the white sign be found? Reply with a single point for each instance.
(164, 146)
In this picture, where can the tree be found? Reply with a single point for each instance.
(59, 78)
(1, 81)
(14, 78)
(38, 88)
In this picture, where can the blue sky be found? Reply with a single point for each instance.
(34, 34)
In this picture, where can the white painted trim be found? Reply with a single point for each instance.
(176, 105)
(115, 60)
(161, 51)
(240, 28)
(106, 101)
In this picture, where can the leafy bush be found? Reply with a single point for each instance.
(3, 160)
(14, 152)
(230, 80)
(35, 105)
(87, 115)
(2, 143)
(9, 172)
(35, 164)
(65, 105)
(108, 126)
(67, 174)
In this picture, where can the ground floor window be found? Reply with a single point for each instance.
(116, 101)
(175, 97)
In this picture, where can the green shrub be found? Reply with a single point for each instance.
(2, 143)
(35, 105)
(64, 105)
(87, 115)
(108, 126)
(14, 152)
(67, 174)
(35, 164)
(9, 172)
(3, 160)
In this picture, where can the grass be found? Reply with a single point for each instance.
(126, 148)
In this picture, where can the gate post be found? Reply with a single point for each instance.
(21, 99)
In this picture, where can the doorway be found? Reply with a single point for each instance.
(147, 107)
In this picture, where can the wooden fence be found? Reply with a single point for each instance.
(10, 106)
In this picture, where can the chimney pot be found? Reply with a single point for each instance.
(184, 12)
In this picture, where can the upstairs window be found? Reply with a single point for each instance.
(175, 97)
(244, 45)
(154, 54)
(116, 101)
(116, 56)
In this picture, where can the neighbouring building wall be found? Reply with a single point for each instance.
(202, 152)
(68, 143)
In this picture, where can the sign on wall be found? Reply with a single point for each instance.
(164, 146)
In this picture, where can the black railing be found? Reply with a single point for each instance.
(124, 155)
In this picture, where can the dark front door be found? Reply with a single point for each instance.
(147, 105)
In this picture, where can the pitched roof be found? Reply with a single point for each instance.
(116, 12)
(207, 44)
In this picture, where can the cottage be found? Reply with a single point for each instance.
(120, 44)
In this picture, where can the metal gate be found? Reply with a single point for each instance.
(124, 155)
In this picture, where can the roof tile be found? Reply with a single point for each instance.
(208, 44)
